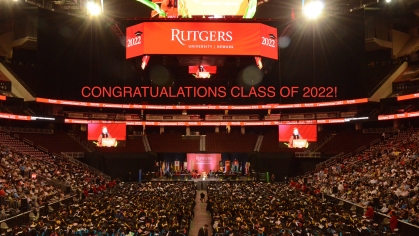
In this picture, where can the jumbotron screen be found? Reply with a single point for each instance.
(106, 135)
(214, 7)
(175, 8)
(294, 134)
(203, 161)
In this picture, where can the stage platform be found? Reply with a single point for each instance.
(202, 184)
(241, 178)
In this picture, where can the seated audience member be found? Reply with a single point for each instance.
(393, 222)
(384, 209)
(369, 214)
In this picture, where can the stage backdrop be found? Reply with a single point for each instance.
(203, 161)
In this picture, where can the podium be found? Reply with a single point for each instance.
(108, 142)
(299, 143)
(203, 75)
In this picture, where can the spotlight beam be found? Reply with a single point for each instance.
(93, 8)
(313, 9)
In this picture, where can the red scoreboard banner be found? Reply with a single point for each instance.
(408, 96)
(202, 38)
(202, 107)
(398, 116)
(208, 123)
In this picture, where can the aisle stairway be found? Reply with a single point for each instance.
(201, 216)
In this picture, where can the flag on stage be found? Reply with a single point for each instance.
(177, 165)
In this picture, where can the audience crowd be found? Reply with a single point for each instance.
(383, 178)
(153, 208)
(387, 173)
(24, 176)
(248, 208)
(16, 184)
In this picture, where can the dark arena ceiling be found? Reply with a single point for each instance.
(267, 9)
(334, 46)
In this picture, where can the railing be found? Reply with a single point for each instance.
(28, 130)
(81, 142)
(375, 142)
(258, 144)
(320, 143)
(360, 149)
(146, 143)
(346, 156)
(27, 141)
(84, 165)
(75, 155)
(23, 218)
(404, 227)
(53, 182)
(307, 154)
(378, 130)
(30, 111)
(42, 149)
(329, 161)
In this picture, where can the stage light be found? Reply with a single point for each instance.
(93, 8)
(259, 62)
(387, 1)
(313, 9)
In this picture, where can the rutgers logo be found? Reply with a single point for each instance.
(203, 36)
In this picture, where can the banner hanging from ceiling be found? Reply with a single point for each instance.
(202, 38)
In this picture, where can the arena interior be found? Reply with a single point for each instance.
(209, 117)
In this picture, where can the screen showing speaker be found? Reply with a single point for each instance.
(297, 136)
(107, 135)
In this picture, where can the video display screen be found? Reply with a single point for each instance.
(297, 136)
(214, 7)
(106, 135)
(203, 161)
